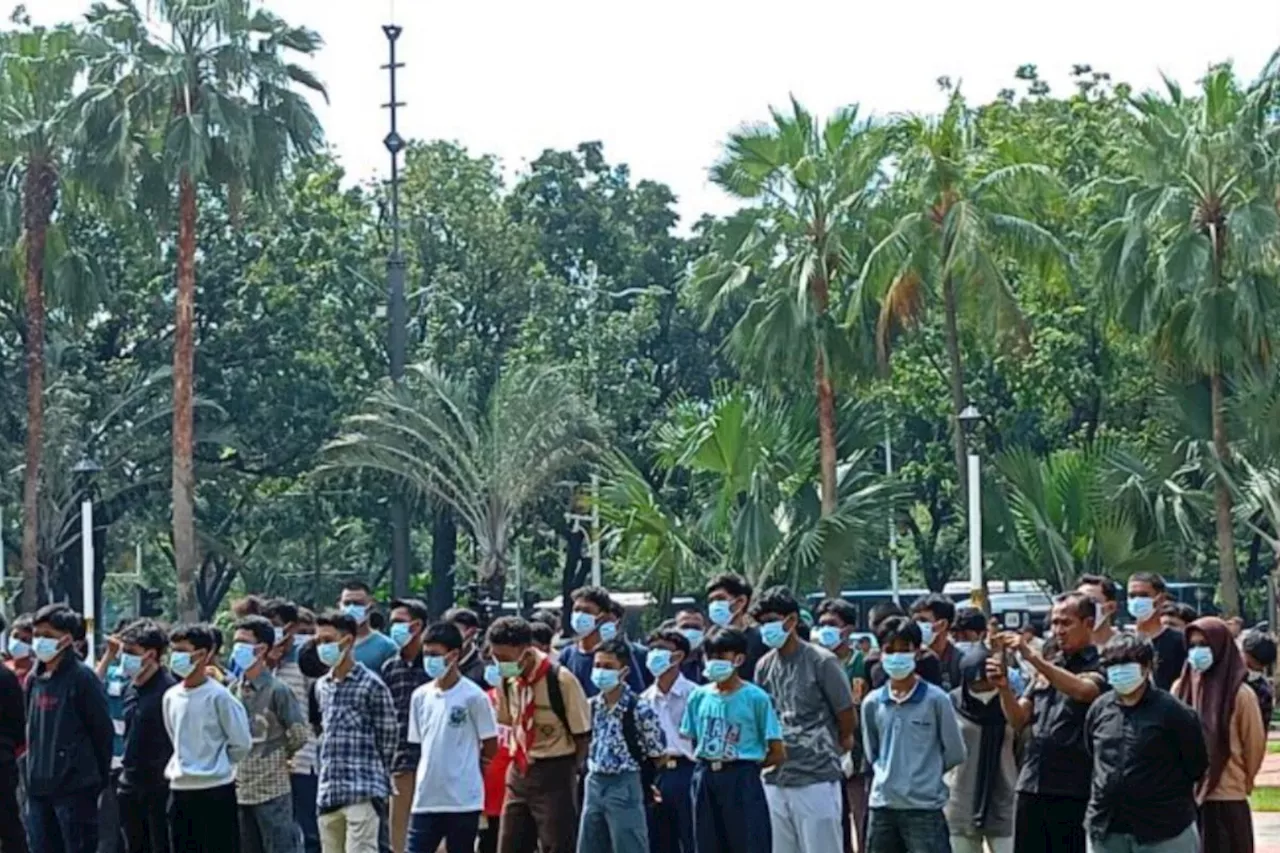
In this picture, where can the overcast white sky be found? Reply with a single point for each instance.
(662, 82)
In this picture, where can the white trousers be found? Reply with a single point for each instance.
(806, 819)
(350, 829)
(973, 844)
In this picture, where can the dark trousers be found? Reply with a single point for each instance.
(13, 835)
(907, 831)
(110, 837)
(1048, 824)
(1226, 826)
(63, 824)
(854, 813)
(539, 809)
(305, 787)
(731, 814)
(204, 821)
(671, 817)
(144, 818)
(456, 829)
(488, 840)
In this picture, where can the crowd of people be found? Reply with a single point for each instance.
(754, 726)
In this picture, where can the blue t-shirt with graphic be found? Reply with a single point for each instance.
(730, 727)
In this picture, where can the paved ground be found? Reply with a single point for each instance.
(1266, 825)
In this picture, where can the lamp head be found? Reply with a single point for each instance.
(969, 419)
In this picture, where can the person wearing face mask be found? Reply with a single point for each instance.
(358, 738)
(735, 732)
(372, 648)
(980, 806)
(690, 622)
(928, 667)
(295, 627)
(404, 674)
(593, 622)
(1105, 594)
(814, 700)
(451, 721)
(1213, 685)
(550, 720)
(639, 651)
(728, 600)
(1259, 651)
(279, 729)
(210, 732)
(671, 815)
(143, 791)
(936, 614)
(471, 665)
(495, 771)
(20, 661)
(837, 619)
(13, 737)
(1146, 596)
(1148, 757)
(1176, 616)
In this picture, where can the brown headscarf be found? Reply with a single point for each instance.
(1212, 694)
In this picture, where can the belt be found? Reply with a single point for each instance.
(717, 766)
(671, 762)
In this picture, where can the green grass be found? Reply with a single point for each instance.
(1273, 746)
(1265, 800)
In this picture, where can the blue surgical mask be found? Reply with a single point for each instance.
(130, 665)
(695, 637)
(926, 633)
(605, 679)
(658, 661)
(435, 665)
(719, 670)
(46, 648)
(300, 640)
(18, 649)
(493, 675)
(1141, 607)
(828, 636)
(1125, 677)
(181, 664)
(582, 623)
(898, 665)
(608, 631)
(774, 634)
(720, 612)
(1200, 658)
(329, 654)
(243, 655)
(358, 612)
(402, 633)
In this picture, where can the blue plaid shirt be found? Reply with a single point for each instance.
(609, 754)
(357, 739)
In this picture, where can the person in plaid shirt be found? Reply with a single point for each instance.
(279, 730)
(404, 674)
(357, 742)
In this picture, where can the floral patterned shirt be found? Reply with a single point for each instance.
(609, 754)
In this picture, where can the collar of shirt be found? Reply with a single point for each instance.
(916, 694)
(626, 696)
(680, 689)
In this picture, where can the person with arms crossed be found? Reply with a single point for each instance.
(143, 791)
(671, 813)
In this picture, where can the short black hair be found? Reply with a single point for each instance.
(617, 609)
(882, 611)
(939, 605)
(899, 628)
(546, 617)
(1260, 646)
(735, 584)
(309, 660)
(1179, 610)
(671, 636)
(146, 634)
(217, 636)
(306, 616)
(199, 635)
(24, 622)
(597, 595)
(1128, 647)
(59, 617)
(250, 605)
(462, 616)
(355, 585)
(969, 619)
(542, 633)
(510, 631)
(417, 610)
(1154, 580)
(444, 634)
(617, 647)
(841, 609)
(339, 621)
(776, 601)
(279, 608)
(1110, 589)
(720, 640)
(261, 628)
(1082, 605)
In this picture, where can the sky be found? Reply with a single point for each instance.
(663, 82)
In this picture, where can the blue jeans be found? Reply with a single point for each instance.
(731, 814)
(269, 827)
(613, 814)
(671, 820)
(64, 824)
(907, 831)
(456, 829)
(1187, 841)
(305, 787)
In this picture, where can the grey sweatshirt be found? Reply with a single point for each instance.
(210, 733)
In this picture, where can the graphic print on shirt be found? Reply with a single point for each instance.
(457, 716)
(721, 738)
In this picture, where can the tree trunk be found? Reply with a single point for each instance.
(185, 555)
(444, 551)
(38, 193)
(959, 444)
(820, 292)
(1223, 503)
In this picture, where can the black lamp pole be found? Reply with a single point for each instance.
(396, 314)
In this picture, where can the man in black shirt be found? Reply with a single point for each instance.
(936, 614)
(13, 734)
(1148, 754)
(1146, 596)
(143, 791)
(1053, 785)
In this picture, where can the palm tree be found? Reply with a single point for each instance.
(947, 250)
(1191, 259)
(488, 465)
(201, 95)
(39, 70)
(784, 261)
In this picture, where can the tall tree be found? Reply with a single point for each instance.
(786, 260)
(1191, 260)
(211, 101)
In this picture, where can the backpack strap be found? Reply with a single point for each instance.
(556, 697)
(631, 732)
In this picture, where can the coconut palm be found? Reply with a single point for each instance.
(1191, 259)
(787, 264)
(203, 94)
(487, 463)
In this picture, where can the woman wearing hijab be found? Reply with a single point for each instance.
(980, 808)
(1213, 683)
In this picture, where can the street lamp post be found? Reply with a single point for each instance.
(969, 419)
(85, 470)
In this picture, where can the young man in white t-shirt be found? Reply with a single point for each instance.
(453, 721)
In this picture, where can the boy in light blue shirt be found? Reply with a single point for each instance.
(911, 738)
(735, 732)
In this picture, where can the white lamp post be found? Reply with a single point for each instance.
(969, 419)
(85, 470)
